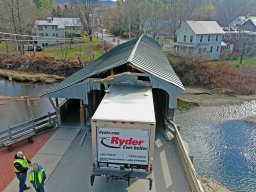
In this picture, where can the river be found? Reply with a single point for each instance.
(15, 112)
(223, 145)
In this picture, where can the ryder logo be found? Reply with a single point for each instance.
(117, 142)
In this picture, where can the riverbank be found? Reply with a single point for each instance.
(202, 97)
(5, 99)
(210, 185)
(29, 76)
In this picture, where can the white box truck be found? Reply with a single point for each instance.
(123, 134)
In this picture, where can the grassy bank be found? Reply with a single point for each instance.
(29, 77)
(247, 61)
(86, 52)
(2, 46)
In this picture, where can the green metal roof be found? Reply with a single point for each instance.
(143, 52)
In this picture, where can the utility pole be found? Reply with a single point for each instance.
(242, 47)
(102, 32)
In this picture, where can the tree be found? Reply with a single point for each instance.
(228, 10)
(84, 10)
(18, 18)
(44, 4)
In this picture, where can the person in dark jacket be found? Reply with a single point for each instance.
(37, 177)
(21, 164)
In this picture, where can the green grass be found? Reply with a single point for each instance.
(2, 46)
(175, 59)
(86, 52)
(247, 61)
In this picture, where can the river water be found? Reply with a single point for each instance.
(15, 112)
(223, 145)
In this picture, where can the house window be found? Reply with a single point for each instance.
(209, 38)
(53, 27)
(184, 39)
(191, 38)
(45, 27)
(74, 28)
(228, 36)
(40, 28)
(178, 48)
(217, 37)
(201, 38)
(46, 34)
(57, 34)
(53, 34)
(217, 49)
(211, 49)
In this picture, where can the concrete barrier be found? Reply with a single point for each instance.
(192, 176)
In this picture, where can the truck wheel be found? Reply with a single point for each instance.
(92, 177)
(150, 183)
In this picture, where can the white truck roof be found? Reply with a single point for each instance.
(127, 103)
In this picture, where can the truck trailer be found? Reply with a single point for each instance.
(123, 134)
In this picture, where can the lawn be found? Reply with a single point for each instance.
(248, 60)
(175, 59)
(86, 51)
(2, 46)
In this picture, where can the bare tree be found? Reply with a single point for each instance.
(228, 10)
(85, 12)
(18, 16)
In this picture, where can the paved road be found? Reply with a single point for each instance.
(72, 173)
(111, 39)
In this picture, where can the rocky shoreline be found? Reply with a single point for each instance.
(210, 185)
(29, 76)
(251, 119)
(203, 97)
(5, 99)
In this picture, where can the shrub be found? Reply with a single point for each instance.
(218, 77)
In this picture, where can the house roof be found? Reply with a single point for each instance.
(205, 27)
(142, 52)
(61, 22)
(241, 20)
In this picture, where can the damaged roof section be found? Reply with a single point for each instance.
(143, 52)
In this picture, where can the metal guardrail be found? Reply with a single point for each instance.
(188, 166)
(33, 126)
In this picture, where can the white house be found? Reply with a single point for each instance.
(50, 31)
(197, 39)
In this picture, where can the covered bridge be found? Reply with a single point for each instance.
(138, 61)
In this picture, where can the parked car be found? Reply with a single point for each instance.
(30, 48)
(39, 48)
(35, 48)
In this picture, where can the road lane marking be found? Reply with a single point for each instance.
(165, 169)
